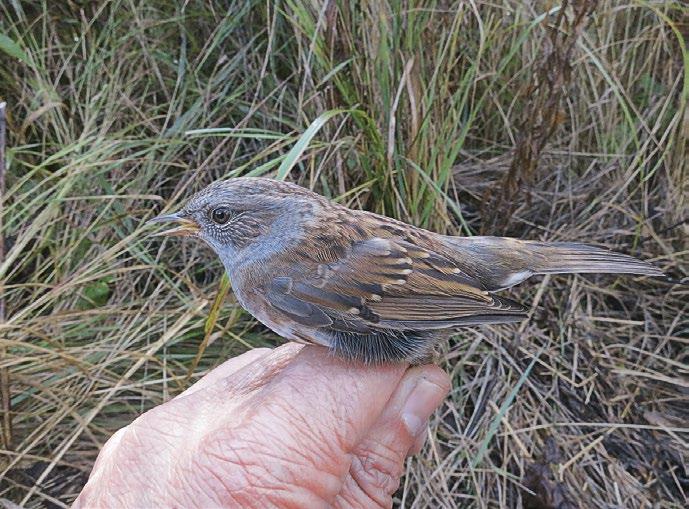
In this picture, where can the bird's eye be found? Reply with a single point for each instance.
(221, 215)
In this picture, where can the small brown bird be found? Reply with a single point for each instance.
(367, 286)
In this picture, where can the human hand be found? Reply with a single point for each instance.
(290, 427)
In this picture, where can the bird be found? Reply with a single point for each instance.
(368, 287)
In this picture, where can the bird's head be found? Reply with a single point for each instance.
(235, 215)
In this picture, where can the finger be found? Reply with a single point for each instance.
(335, 393)
(300, 410)
(226, 369)
(378, 460)
(307, 411)
(419, 442)
(252, 377)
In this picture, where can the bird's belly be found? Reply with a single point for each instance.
(273, 319)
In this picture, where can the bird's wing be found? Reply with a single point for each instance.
(380, 283)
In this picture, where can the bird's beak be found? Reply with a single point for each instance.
(185, 228)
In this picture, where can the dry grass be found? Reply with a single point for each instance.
(586, 404)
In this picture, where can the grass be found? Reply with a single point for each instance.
(426, 112)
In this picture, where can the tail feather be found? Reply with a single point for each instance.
(569, 257)
(502, 262)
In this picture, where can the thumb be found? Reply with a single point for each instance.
(378, 460)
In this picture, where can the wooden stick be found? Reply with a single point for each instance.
(4, 372)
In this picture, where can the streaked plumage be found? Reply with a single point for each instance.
(367, 286)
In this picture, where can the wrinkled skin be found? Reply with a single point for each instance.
(290, 427)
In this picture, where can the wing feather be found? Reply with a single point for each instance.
(380, 283)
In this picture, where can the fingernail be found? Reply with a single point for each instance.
(421, 403)
(418, 442)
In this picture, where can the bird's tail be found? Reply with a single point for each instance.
(501, 262)
(572, 257)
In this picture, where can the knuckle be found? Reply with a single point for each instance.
(377, 470)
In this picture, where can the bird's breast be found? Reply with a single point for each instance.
(250, 284)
